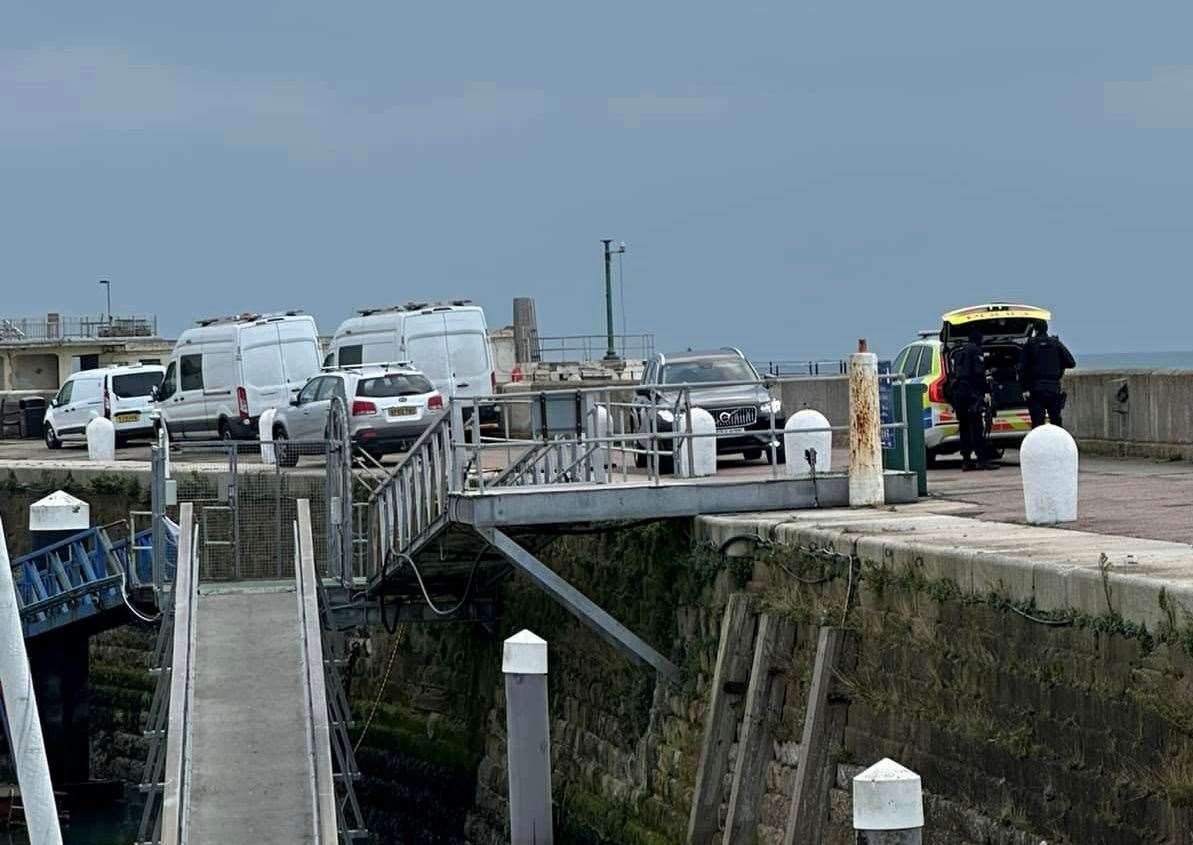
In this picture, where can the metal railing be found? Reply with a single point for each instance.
(36, 329)
(590, 347)
(810, 368)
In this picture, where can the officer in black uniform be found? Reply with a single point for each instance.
(1042, 365)
(968, 391)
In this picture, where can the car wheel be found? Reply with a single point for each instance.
(754, 454)
(780, 455)
(121, 441)
(666, 465)
(286, 455)
(640, 460)
(225, 431)
(52, 441)
(931, 459)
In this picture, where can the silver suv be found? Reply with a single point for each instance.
(742, 410)
(388, 405)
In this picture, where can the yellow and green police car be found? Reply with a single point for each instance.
(1005, 328)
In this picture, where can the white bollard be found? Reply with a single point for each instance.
(704, 449)
(865, 436)
(803, 446)
(1048, 461)
(101, 440)
(888, 805)
(528, 739)
(28, 749)
(265, 435)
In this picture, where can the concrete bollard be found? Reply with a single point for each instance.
(1048, 458)
(704, 449)
(888, 805)
(805, 447)
(528, 739)
(101, 440)
(865, 436)
(265, 435)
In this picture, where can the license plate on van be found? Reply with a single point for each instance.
(127, 418)
(404, 411)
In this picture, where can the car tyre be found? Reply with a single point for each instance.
(780, 455)
(754, 454)
(52, 441)
(286, 455)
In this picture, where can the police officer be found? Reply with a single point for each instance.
(1042, 365)
(968, 394)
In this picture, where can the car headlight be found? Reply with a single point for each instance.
(772, 408)
(666, 416)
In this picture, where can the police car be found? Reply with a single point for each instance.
(1005, 328)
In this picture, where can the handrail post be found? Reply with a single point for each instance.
(688, 425)
(457, 448)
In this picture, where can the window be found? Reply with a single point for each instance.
(262, 365)
(135, 384)
(168, 383)
(64, 394)
(300, 359)
(329, 360)
(309, 390)
(911, 361)
(901, 359)
(924, 367)
(708, 370)
(394, 384)
(328, 387)
(349, 356)
(191, 372)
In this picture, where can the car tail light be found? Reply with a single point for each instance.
(242, 402)
(107, 404)
(434, 402)
(363, 409)
(936, 390)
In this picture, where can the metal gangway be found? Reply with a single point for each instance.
(248, 725)
(466, 507)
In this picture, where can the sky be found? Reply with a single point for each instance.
(788, 177)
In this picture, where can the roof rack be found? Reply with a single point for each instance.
(384, 365)
(414, 306)
(248, 317)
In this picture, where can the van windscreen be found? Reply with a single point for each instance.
(135, 384)
(393, 384)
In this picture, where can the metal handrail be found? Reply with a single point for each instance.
(176, 787)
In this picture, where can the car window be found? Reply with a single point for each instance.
(64, 394)
(168, 383)
(708, 370)
(900, 359)
(191, 372)
(327, 387)
(911, 361)
(394, 384)
(924, 367)
(349, 356)
(310, 390)
(135, 384)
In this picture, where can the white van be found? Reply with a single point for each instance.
(122, 393)
(448, 342)
(224, 373)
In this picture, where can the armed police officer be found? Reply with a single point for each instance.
(969, 394)
(1042, 365)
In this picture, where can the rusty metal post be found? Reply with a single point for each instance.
(865, 433)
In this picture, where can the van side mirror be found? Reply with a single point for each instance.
(295, 402)
(153, 391)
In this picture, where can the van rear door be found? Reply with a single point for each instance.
(261, 373)
(426, 348)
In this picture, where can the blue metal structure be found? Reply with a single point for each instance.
(82, 577)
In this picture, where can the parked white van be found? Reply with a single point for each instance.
(225, 372)
(447, 342)
(121, 393)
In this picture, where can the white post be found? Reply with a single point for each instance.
(701, 450)
(528, 734)
(265, 435)
(865, 435)
(808, 452)
(1049, 463)
(101, 440)
(888, 805)
(28, 746)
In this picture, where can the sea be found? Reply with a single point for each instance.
(1134, 360)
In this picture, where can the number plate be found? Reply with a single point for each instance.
(405, 411)
(730, 430)
(121, 418)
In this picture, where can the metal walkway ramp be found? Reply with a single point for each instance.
(256, 746)
(461, 511)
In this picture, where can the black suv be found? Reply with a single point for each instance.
(743, 409)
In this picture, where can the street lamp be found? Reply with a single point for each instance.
(108, 285)
(611, 351)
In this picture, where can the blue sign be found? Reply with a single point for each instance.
(886, 404)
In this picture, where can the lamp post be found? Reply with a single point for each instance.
(611, 351)
(108, 287)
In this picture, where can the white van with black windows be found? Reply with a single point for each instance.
(225, 372)
(122, 393)
(448, 342)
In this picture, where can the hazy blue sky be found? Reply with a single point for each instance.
(788, 176)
